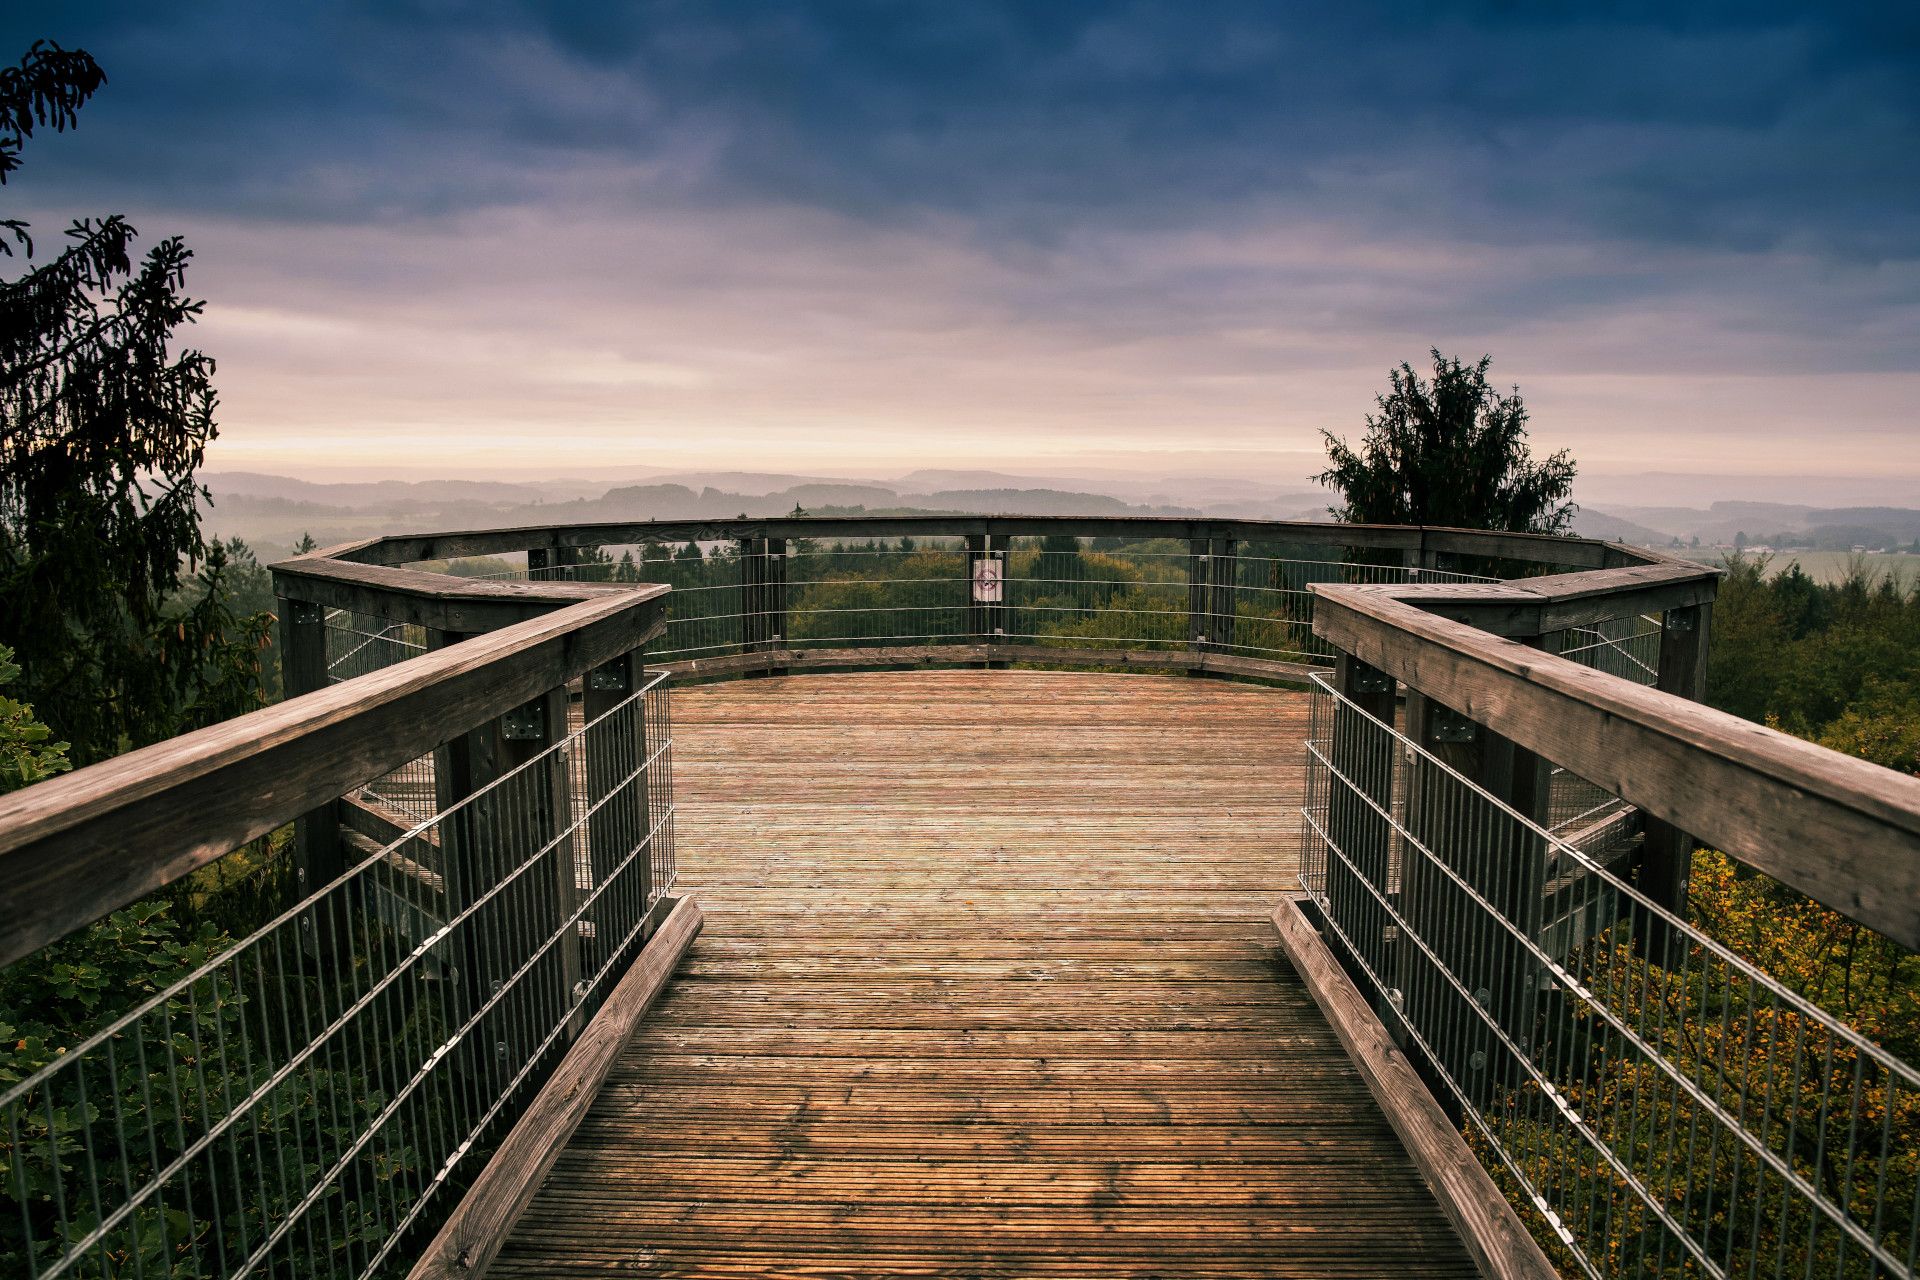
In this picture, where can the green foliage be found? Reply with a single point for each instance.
(102, 425)
(189, 1053)
(878, 594)
(47, 88)
(28, 752)
(1836, 663)
(1452, 451)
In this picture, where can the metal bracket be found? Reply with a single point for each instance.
(1451, 726)
(611, 678)
(1372, 681)
(305, 612)
(523, 724)
(1679, 620)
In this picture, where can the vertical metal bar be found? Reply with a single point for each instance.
(1224, 575)
(777, 636)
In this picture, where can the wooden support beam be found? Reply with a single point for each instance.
(546, 897)
(1494, 1235)
(1666, 852)
(1842, 831)
(616, 752)
(432, 600)
(1546, 549)
(1223, 579)
(318, 856)
(76, 847)
(777, 634)
(1199, 591)
(466, 1246)
(1360, 796)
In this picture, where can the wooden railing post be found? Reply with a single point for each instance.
(545, 818)
(318, 856)
(778, 639)
(461, 767)
(986, 619)
(753, 594)
(1358, 804)
(615, 796)
(1666, 852)
(1199, 593)
(485, 840)
(1224, 560)
(1503, 861)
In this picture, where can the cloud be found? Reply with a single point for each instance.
(843, 228)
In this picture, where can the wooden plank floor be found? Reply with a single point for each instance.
(987, 988)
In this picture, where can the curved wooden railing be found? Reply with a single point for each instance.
(1221, 596)
(1512, 772)
(1448, 641)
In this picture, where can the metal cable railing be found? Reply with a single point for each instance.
(357, 645)
(1055, 592)
(1626, 647)
(310, 1099)
(1665, 1107)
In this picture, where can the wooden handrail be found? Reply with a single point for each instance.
(185, 802)
(1545, 549)
(77, 847)
(1840, 830)
(1537, 606)
(439, 601)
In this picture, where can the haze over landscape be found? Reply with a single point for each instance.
(1102, 248)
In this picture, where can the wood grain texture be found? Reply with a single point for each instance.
(438, 601)
(987, 988)
(1425, 541)
(1486, 1222)
(473, 1235)
(75, 847)
(1841, 830)
(962, 653)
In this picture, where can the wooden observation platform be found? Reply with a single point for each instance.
(988, 987)
(986, 896)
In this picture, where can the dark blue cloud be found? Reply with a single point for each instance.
(1738, 126)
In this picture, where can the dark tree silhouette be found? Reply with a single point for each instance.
(102, 426)
(1449, 452)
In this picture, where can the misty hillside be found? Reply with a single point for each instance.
(272, 512)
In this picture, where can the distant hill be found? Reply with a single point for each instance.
(272, 512)
(1589, 523)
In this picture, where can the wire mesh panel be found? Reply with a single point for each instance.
(1666, 1108)
(754, 593)
(1626, 647)
(1073, 592)
(706, 612)
(311, 1099)
(1267, 609)
(359, 644)
(854, 594)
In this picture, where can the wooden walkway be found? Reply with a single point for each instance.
(987, 988)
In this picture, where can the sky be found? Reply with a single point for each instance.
(504, 238)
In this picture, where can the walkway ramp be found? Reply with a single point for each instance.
(988, 987)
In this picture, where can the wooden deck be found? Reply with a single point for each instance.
(987, 988)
